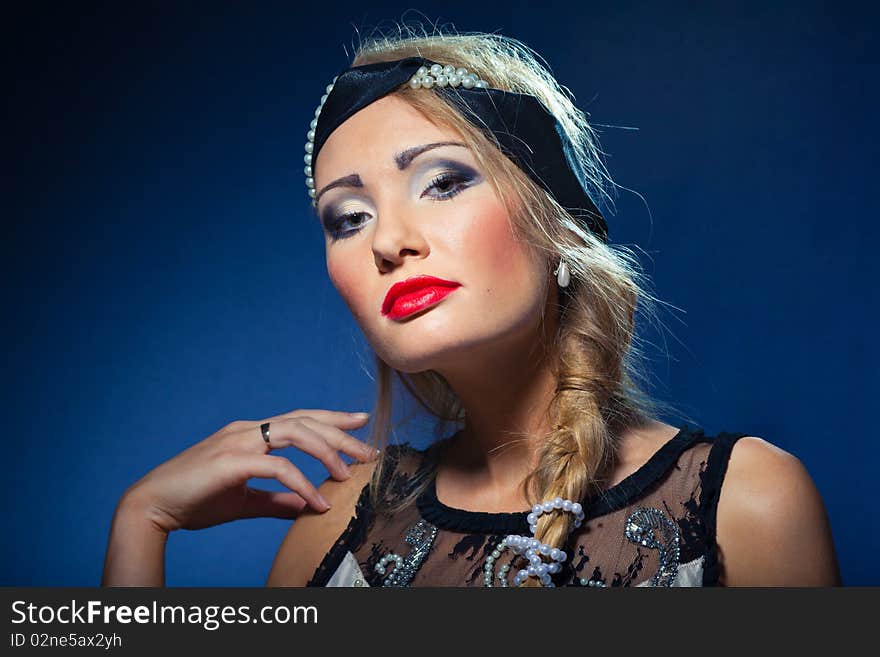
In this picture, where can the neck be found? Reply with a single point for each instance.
(505, 391)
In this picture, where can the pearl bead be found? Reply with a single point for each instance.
(308, 158)
(427, 82)
(468, 83)
(423, 71)
(415, 83)
(442, 80)
(307, 170)
(310, 135)
(309, 147)
(313, 124)
(454, 80)
(557, 502)
(566, 505)
(448, 70)
(330, 86)
(310, 182)
(576, 508)
(532, 518)
(461, 72)
(436, 70)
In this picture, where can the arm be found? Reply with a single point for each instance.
(136, 548)
(772, 527)
(310, 537)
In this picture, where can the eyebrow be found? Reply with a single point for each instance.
(402, 159)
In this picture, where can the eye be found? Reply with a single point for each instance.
(448, 184)
(335, 226)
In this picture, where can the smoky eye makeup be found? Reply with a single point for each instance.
(335, 212)
(438, 165)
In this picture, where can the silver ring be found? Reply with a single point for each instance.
(264, 429)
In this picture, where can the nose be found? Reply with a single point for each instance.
(396, 236)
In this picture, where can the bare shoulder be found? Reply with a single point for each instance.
(312, 534)
(772, 526)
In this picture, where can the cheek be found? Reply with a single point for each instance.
(505, 264)
(349, 283)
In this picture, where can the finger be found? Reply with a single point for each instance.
(338, 439)
(267, 466)
(340, 419)
(301, 433)
(272, 504)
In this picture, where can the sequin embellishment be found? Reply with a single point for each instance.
(651, 528)
(421, 537)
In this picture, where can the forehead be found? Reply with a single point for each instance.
(376, 132)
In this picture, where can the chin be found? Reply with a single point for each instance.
(439, 340)
(449, 350)
(420, 358)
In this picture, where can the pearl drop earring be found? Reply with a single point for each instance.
(563, 277)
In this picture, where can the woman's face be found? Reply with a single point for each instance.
(418, 211)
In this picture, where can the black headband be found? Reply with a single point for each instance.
(528, 133)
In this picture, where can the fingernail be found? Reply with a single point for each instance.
(360, 415)
(323, 501)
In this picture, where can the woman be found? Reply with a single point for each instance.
(457, 186)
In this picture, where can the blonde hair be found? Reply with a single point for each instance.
(595, 352)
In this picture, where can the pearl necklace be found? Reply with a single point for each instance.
(532, 549)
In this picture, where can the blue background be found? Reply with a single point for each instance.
(163, 276)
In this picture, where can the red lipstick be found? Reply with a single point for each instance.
(414, 294)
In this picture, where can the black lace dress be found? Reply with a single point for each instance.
(654, 528)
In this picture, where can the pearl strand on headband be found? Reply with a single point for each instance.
(310, 143)
(532, 549)
(443, 76)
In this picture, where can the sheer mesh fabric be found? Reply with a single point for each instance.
(654, 528)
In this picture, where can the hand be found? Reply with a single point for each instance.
(206, 484)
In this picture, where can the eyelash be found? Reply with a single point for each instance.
(446, 177)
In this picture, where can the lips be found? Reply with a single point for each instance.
(415, 293)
